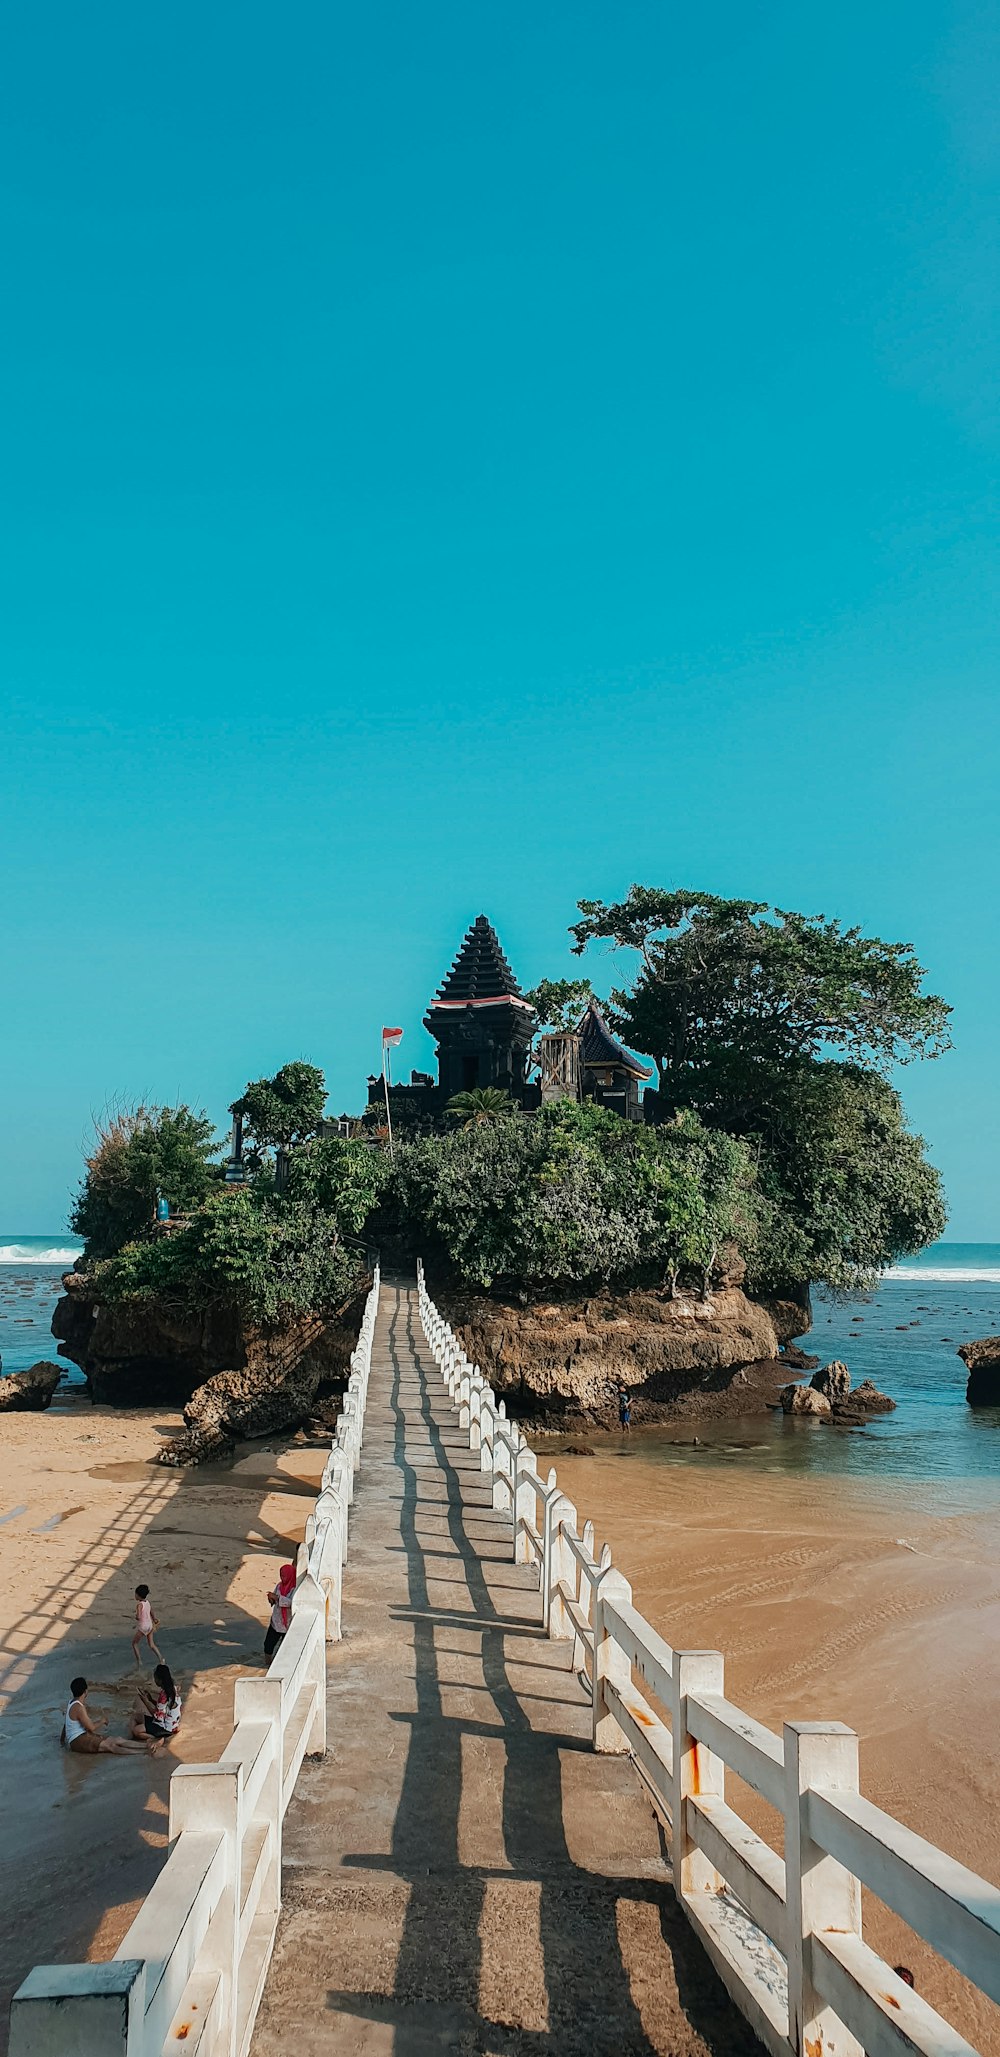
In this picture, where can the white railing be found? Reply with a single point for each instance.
(190, 1972)
(784, 1933)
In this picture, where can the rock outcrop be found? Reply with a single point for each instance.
(23, 1392)
(806, 1400)
(561, 1361)
(866, 1399)
(232, 1378)
(982, 1361)
(834, 1380)
(274, 1390)
(829, 1397)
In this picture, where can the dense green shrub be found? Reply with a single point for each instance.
(140, 1154)
(269, 1254)
(571, 1195)
(846, 1190)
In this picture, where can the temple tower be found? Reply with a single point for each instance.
(480, 1020)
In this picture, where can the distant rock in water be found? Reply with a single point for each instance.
(830, 1396)
(834, 1380)
(865, 1399)
(28, 1392)
(805, 1400)
(796, 1359)
(982, 1361)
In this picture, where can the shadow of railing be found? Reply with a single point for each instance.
(570, 1980)
(85, 1837)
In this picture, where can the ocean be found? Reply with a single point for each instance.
(904, 1336)
(31, 1269)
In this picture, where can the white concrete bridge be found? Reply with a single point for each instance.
(492, 1817)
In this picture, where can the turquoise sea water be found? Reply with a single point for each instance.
(904, 1336)
(31, 1269)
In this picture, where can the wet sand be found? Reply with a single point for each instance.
(85, 1516)
(831, 1602)
(826, 1602)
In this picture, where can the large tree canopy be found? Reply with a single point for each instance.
(285, 1109)
(730, 992)
(780, 1028)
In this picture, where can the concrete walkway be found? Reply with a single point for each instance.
(462, 1873)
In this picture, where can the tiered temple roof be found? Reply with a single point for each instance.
(598, 1045)
(480, 975)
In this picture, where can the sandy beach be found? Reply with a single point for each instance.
(84, 1517)
(826, 1603)
(830, 1601)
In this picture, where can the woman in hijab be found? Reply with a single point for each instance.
(281, 1609)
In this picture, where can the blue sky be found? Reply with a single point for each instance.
(466, 459)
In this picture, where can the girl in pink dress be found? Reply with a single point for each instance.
(145, 1623)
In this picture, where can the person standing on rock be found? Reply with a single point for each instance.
(624, 1410)
(281, 1609)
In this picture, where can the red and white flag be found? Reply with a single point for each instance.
(390, 1037)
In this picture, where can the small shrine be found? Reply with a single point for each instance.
(483, 1027)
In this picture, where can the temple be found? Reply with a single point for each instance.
(483, 1027)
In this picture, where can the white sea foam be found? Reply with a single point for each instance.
(33, 1253)
(920, 1274)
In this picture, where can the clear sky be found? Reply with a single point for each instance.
(466, 458)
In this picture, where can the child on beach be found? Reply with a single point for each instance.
(145, 1623)
(158, 1715)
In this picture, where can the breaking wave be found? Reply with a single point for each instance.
(39, 1253)
(924, 1274)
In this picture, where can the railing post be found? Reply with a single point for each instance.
(549, 1506)
(611, 1665)
(329, 1514)
(503, 1466)
(487, 1430)
(475, 1413)
(309, 1601)
(562, 1568)
(819, 1892)
(211, 1796)
(524, 1504)
(91, 2010)
(263, 1699)
(696, 1768)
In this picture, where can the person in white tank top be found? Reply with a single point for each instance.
(85, 1736)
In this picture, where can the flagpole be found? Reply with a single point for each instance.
(385, 1082)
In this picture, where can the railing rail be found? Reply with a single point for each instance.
(190, 1972)
(784, 1934)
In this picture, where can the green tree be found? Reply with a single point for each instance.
(847, 1189)
(285, 1109)
(481, 1104)
(141, 1154)
(729, 991)
(778, 1028)
(339, 1178)
(559, 1003)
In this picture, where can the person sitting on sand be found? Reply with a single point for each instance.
(158, 1715)
(145, 1623)
(85, 1736)
(281, 1609)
